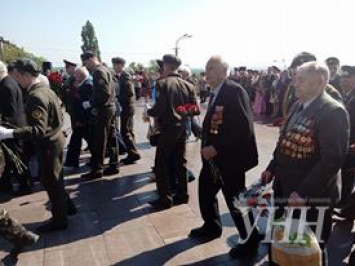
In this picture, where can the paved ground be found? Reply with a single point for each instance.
(116, 226)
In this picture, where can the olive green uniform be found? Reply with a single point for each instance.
(104, 129)
(44, 120)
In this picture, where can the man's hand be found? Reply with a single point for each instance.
(86, 105)
(208, 153)
(6, 133)
(266, 177)
(296, 200)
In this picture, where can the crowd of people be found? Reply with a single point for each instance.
(312, 101)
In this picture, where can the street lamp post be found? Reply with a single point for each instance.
(185, 36)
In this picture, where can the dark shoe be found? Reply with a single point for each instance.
(204, 232)
(51, 227)
(161, 204)
(27, 239)
(130, 159)
(248, 248)
(178, 200)
(71, 208)
(74, 165)
(111, 171)
(92, 175)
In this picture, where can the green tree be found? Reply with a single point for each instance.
(12, 52)
(136, 66)
(153, 66)
(90, 42)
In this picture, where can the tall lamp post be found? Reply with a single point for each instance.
(185, 36)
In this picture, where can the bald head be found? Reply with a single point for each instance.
(81, 74)
(216, 71)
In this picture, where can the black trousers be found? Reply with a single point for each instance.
(126, 130)
(50, 172)
(170, 162)
(207, 195)
(347, 179)
(74, 147)
(104, 134)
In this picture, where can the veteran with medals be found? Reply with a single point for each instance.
(311, 148)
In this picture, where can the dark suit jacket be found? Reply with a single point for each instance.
(322, 130)
(79, 114)
(11, 102)
(349, 103)
(235, 142)
(171, 92)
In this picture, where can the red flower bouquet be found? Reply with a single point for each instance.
(188, 109)
(56, 83)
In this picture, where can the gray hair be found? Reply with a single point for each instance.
(316, 68)
(219, 59)
(3, 67)
(83, 70)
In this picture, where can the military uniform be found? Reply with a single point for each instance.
(126, 99)
(104, 131)
(310, 151)
(333, 62)
(172, 91)
(45, 120)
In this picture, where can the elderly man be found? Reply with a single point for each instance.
(103, 103)
(311, 148)
(12, 114)
(229, 143)
(170, 163)
(80, 117)
(44, 128)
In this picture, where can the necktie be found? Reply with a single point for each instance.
(210, 101)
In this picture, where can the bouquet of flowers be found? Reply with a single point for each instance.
(56, 83)
(188, 109)
(257, 196)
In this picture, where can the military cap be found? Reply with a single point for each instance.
(87, 55)
(332, 61)
(26, 65)
(302, 58)
(347, 71)
(242, 68)
(236, 69)
(160, 63)
(171, 60)
(276, 68)
(118, 60)
(69, 63)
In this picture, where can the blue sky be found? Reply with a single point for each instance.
(252, 33)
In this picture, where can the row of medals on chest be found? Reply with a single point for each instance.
(299, 142)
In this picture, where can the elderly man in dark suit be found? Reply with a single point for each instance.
(311, 149)
(12, 114)
(228, 140)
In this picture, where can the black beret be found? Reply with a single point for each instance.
(171, 60)
(302, 58)
(118, 60)
(26, 65)
(332, 61)
(87, 55)
(347, 71)
(69, 63)
(242, 68)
